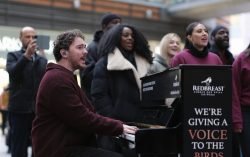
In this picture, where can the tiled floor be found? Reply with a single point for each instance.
(3, 147)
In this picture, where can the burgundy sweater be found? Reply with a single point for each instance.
(64, 116)
(185, 57)
(241, 88)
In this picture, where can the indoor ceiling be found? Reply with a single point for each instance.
(157, 3)
(196, 9)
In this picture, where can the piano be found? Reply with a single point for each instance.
(180, 109)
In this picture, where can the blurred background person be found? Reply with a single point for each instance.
(220, 44)
(116, 85)
(63, 111)
(170, 45)
(196, 47)
(4, 101)
(241, 99)
(26, 69)
(108, 20)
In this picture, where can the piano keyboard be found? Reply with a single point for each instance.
(130, 138)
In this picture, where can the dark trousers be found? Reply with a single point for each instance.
(108, 143)
(235, 145)
(20, 129)
(245, 140)
(112, 144)
(4, 119)
(92, 152)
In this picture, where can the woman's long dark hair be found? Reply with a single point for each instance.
(247, 51)
(189, 31)
(112, 38)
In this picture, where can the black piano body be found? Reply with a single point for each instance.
(166, 128)
(160, 126)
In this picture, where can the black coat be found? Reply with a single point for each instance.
(228, 55)
(116, 86)
(25, 76)
(91, 59)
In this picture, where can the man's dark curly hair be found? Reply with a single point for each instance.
(64, 40)
(112, 39)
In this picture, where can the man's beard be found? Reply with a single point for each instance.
(221, 44)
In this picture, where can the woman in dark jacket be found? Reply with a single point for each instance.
(116, 85)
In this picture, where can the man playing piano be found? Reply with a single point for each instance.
(66, 124)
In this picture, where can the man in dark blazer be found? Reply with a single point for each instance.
(26, 69)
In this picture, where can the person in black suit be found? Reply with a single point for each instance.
(26, 68)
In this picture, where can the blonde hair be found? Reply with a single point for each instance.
(164, 44)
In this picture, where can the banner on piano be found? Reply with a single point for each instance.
(207, 105)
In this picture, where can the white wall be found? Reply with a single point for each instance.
(239, 32)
